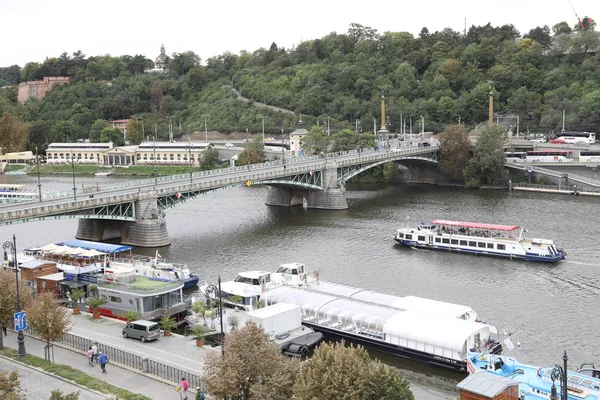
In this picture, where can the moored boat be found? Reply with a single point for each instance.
(404, 327)
(480, 239)
(536, 382)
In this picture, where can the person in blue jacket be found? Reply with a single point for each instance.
(103, 359)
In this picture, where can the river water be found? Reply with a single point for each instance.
(552, 307)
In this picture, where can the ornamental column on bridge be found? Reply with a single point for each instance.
(332, 197)
(149, 229)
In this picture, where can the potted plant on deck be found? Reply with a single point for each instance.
(75, 296)
(94, 303)
(199, 332)
(199, 308)
(236, 300)
(167, 324)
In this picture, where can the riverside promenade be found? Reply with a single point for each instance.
(177, 351)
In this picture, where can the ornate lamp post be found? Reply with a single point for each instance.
(73, 172)
(21, 352)
(37, 160)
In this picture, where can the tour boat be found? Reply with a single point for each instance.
(419, 329)
(480, 239)
(534, 382)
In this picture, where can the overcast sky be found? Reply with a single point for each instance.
(31, 30)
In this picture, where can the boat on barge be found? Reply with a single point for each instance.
(536, 383)
(419, 329)
(506, 241)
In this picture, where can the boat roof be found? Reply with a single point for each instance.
(487, 385)
(446, 332)
(253, 274)
(103, 247)
(475, 225)
(414, 303)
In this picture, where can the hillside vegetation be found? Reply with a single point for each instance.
(442, 76)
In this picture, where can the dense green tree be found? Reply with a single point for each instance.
(252, 368)
(315, 141)
(112, 134)
(210, 159)
(253, 153)
(66, 131)
(562, 28)
(541, 35)
(39, 136)
(10, 386)
(95, 129)
(182, 63)
(455, 152)
(135, 131)
(337, 372)
(13, 133)
(486, 168)
(10, 75)
(48, 318)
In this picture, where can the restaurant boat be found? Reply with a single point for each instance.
(480, 239)
(419, 329)
(536, 383)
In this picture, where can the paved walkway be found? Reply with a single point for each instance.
(36, 384)
(122, 377)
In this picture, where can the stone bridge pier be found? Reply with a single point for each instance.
(149, 229)
(332, 197)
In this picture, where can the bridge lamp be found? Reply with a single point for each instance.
(21, 352)
(73, 170)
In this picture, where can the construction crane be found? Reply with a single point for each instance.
(586, 23)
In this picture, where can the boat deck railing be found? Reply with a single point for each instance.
(146, 261)
(136, 287)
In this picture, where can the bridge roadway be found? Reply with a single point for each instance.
(320, 180)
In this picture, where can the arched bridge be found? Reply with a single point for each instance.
(136, 208)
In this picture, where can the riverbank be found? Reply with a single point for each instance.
(134, 170)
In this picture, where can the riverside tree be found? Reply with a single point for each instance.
(8, 299)
(455, 147)
(486, 168)
(48, 319)
(337, 372)
(253, 153)
(13, 133)
(252, 368)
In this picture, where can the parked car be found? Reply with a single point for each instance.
(142, 330)
(229, 145)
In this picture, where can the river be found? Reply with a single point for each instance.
(551, 307)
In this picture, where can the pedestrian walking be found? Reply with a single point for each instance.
(95, 350)
(4, 330)
(184, 385)
(103, 359)
(90, 355)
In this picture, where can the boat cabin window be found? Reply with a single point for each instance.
(421, 238)
(446, 241)
(400, 235)
(481, 244)
(472, 244)
(501, 247)
(408, 236)
(438, 240)
(283, 270)
(490, 245)
(463, 242)
(249, 281)
(454, 241)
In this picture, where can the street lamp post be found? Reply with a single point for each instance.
(221, 317)
(422, 126)
(205, 128)
(37, 160)
(21, 352)
(73, 170)
(263, 127)
(154, 157)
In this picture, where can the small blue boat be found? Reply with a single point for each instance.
(536, 383)
(190, 282)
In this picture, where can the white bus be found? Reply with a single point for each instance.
(589, 156)
(516, 157)
(548, 156)
(574, 137)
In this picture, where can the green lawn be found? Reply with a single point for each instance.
(12, 167)
(144, 170)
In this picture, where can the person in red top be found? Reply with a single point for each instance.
(184, 386)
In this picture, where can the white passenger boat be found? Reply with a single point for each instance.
(480, 239)
(420, 329)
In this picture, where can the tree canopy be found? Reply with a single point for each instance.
(486, 168)
(338, 78)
